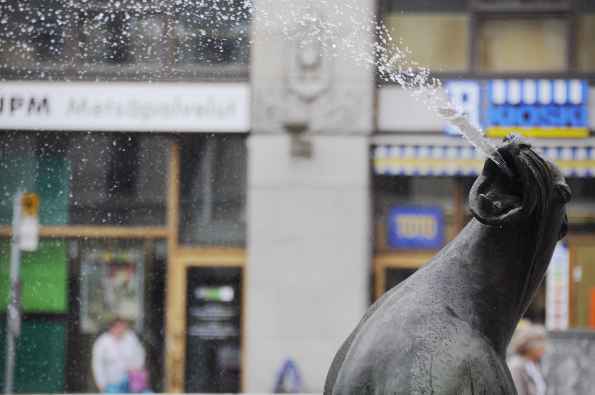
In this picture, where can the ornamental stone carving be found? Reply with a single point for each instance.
(309, 84)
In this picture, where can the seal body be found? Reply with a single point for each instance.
(445, 329)
(413, 341)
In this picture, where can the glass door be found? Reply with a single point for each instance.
(213, 319)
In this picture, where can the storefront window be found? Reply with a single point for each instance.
(436, 33)
(86, 178)
(412, 193)
(212, 32)
(32, 32)
(522, 45)
(124, 278)
(213, 190)
(118, 179)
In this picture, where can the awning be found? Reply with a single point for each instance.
(464, 160)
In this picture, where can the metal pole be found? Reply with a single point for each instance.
(13, 314)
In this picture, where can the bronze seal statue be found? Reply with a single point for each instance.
(446, 328)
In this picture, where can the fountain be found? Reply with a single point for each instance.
(446, 328)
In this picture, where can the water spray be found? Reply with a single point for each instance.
(475, 137)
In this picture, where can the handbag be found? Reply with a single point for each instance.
(138, 380)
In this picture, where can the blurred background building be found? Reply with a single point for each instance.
(215, 175)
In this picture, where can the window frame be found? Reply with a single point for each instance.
(479, 17)
(478, 10)
(166, 69)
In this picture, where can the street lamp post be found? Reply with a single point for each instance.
(13, 314)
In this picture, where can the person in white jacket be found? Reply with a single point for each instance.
(116, 353)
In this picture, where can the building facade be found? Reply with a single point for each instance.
(239, 180)
(129, 120)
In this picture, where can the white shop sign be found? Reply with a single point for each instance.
(125, 106)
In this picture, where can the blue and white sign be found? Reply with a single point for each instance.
(537, 108)
(413, 227)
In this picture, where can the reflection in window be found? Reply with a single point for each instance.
(523, 45)
(32, 31)
(212, 32)
(213, 190)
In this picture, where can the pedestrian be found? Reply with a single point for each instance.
(527, 347)
(119, 360)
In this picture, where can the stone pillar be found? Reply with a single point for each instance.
(309, 231)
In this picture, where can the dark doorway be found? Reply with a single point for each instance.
(213, 317)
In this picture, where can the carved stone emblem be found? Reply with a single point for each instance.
(313, 92)
(309, 68)
(308, 78)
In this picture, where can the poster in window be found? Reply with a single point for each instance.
(111, 286)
